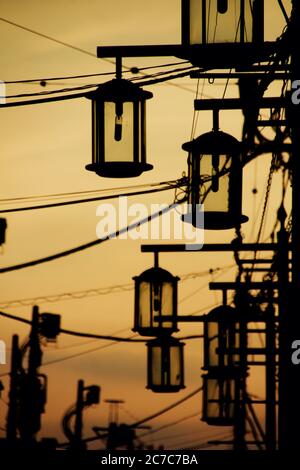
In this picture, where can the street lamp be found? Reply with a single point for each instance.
(220, 400)
(119, 129)
(155, 298)
(215, 180)
(222, 21)
(165, 365)
(221, 338)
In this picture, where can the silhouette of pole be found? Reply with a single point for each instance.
(30, 408)
(239, 429)
(270, 417)
(77, 443)
(12, 415)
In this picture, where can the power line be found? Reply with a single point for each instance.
(53, 92)
(168, 408)
(88, 75)
(169, 425)
(83, 201)
(78, 295)
(82, 353)
(50, 38)
(85, 246)
(91, 335)
(84, 95)
(86, 192)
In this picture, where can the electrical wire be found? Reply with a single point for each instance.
(50, 38)
(88, 245)
(91, 335)
(169, 425)
(83, 201)
(89, 192)
(53, 92)
(73, 77)
(78, 295)
(83, 353)
(168, 408)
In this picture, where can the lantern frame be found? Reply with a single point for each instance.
(226, 409)
(215, 144)
(257, 29)
(221, 339)
(164, 361)
(152, 323)
(119, 92)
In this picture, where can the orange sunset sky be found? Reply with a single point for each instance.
(44, 149)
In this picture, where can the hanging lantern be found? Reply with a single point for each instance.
(222, 21)
(119, 130)
(215, 180)
(221, 338)
(155, 298)
(165, 365)
(220, 398)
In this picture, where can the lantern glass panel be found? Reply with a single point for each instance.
(165, 365)
(176, 366)
(119, 132)
(225, 21)
(155, 300)
(215, 200)
(220, 399)
(156, 366)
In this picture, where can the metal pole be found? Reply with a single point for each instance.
(288, 401)
(30, 412)
(78, 416)
(11, 424)
(270, 377)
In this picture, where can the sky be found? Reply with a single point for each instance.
(44, 150)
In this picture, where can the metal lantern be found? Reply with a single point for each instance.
(221, 338)
(155, 298)
(165, 365)
(119, 129)
(222, 21)
(220, 398)
(215, 180)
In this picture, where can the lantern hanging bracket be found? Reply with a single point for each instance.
(156, 254)
(216, 120)
(118, 67)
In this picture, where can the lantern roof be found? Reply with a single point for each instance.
(213, 142)
(156, 274)
(120, 89)
(223, 314)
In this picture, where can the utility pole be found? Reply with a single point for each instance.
(78, 444)
(289, 380)
(30, 389)
(12, 416)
